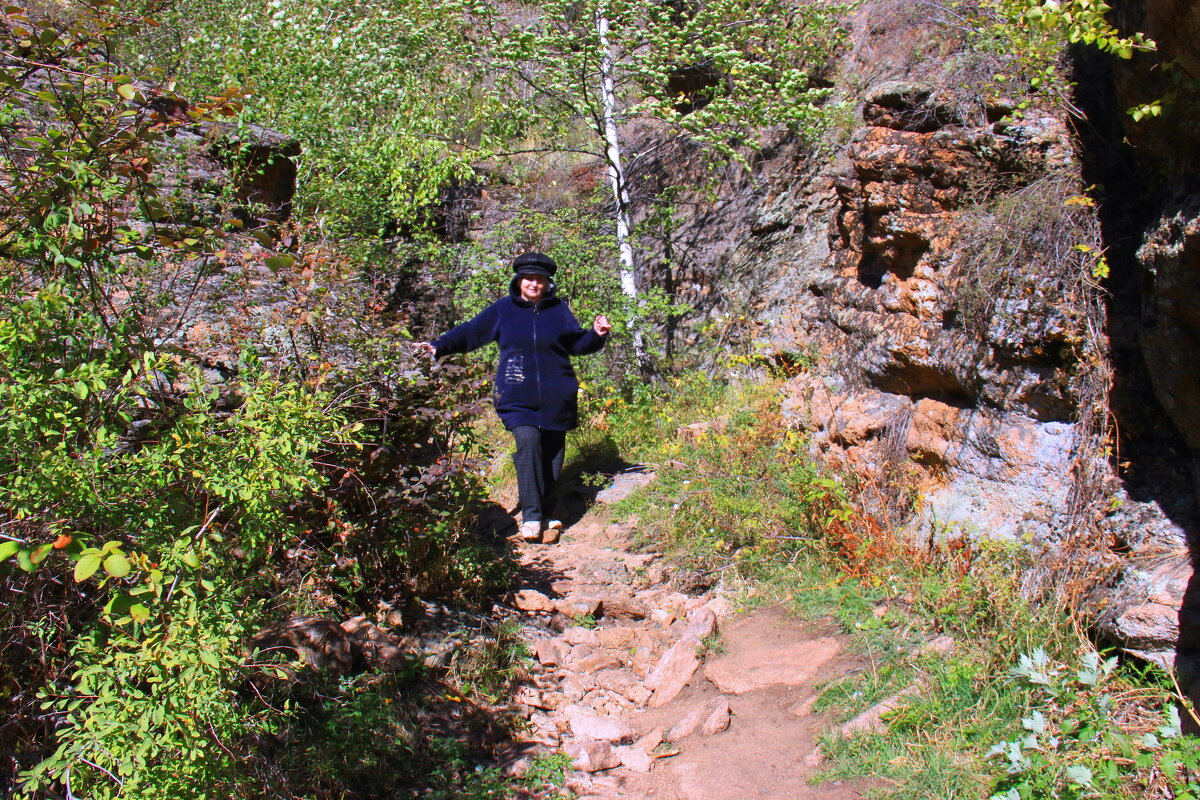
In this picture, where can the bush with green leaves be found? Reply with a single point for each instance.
(1031, 39)
(161, 508)
(380, 94)
(1081, 740)
(149, 503)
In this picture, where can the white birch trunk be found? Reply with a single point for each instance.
(616, 174)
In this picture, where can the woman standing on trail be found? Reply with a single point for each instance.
(536, 389)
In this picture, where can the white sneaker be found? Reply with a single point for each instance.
(554, 525)
(531, 531)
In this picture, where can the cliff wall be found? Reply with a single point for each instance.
(941, 266)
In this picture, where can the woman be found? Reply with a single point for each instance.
(536, 389)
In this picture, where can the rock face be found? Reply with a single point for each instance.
(936, 269)
(961, 373)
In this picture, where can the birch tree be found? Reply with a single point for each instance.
(718, 71)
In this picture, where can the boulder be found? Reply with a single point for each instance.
(532, 600)
(871, 720)
(716, 716)
(578, 635)
(322, 644)
(791, 665)
(577, 607)
(379, 648)
(624, 683)
(586, 724)
(623, 485)
(596, 662)
(592, 756)
(672, 672)
(687, 724)
(618, 638)
(662, 617)
(634, 758)
(549, 653)
(622, 607)
(702, 623)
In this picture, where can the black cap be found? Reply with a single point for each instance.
(534, 264)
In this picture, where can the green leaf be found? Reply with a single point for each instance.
(39, 555)
(86, 567)
(1080, 775)
(118, 605)
(128, 91)
(24, 562)
(117, 565)
(139, 612)
(276, 263)
(8, 548)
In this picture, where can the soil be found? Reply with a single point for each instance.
(599, 678)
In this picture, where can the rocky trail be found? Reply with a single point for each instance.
(657, 694)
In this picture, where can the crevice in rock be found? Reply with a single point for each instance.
(1154, 461)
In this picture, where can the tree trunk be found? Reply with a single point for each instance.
(616, 174)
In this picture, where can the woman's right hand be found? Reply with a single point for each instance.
(427, 348)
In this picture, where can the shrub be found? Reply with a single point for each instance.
(150, 503)
(1084, 738)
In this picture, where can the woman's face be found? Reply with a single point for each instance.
(533, 287)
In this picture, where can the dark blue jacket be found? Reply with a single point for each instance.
(535, 383)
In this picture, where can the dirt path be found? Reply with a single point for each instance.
(657, 694)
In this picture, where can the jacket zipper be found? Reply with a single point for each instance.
(536, 364)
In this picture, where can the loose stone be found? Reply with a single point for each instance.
(588, 725)
(592, 756)
(549, 653)
(532, 600)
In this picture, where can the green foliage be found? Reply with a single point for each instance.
(148, 504)
(1080, 21)
(1032, 35)
(167, 527)
(408, 491)
(149, 711)
(397, 102)
(547, 771)
(489, 669)
(579, 241)
(1076, 745)
(755, 59)
(74, 395)
(382, 94)
(742, 493)
(710, 646)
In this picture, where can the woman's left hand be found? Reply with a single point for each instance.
(601, 325)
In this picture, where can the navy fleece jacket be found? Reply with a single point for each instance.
(535, 383)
